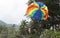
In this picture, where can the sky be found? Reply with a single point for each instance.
(12, 11)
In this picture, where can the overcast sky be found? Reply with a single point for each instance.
(12, 11)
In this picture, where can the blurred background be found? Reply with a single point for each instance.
(14, 23)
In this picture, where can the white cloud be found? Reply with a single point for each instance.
(12, 11)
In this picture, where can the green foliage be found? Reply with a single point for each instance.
(11, 32)
(50, 34)
(23, 27)
(7, 32)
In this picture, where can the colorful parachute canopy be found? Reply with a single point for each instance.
(38, 11)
